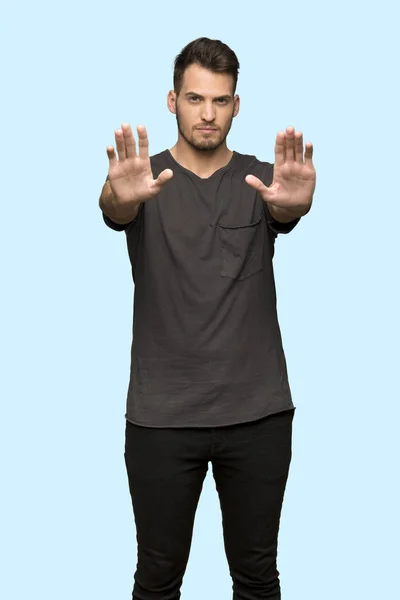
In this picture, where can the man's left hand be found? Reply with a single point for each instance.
(291, 191)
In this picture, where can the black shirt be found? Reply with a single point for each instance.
(207, 348)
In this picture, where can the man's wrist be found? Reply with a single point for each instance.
(119, 212)
(284, 215)
(122, 214)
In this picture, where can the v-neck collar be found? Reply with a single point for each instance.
(197, 177)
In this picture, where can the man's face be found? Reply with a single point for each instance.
(205, 107)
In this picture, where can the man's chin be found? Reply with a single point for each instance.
(205, 145)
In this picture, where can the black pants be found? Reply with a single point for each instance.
(166, 469)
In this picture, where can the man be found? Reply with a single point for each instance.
(208, 379)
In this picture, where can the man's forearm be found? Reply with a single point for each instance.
(284, 215)
(117, 212)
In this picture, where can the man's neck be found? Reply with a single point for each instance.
(202, 163)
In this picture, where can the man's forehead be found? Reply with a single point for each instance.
(205, 82)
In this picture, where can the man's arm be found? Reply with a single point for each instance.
(120, 214)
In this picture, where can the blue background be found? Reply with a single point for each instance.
(71, 73)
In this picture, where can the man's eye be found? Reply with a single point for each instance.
(222, 100)
(193, 98)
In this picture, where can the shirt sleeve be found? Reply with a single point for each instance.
(275, 226)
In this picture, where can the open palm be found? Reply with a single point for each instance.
(294, 176)
(130, 175)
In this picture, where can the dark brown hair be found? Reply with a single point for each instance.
(213, 55)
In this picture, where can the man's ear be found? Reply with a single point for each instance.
(171, 101)
(236, 105)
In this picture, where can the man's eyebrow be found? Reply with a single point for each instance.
(224, 97)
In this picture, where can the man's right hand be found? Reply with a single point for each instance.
(130, 176)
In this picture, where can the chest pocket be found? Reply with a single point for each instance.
(242, 249)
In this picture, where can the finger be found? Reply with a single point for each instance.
(162, 179)
(143, 142)
(255, 182)
(309, 154)
(280, 149)
(258, 185)
(120, 143)
(111, 155)
(130, 144)
(298, 147)
(290, 144)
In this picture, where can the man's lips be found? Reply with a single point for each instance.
(206, 128)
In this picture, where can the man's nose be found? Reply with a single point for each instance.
(208, 112)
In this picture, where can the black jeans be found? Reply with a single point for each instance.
(166, 469)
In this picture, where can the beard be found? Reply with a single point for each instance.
(204, 144)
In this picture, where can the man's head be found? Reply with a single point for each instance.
(203, 100)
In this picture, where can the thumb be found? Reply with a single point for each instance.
(163, 177)
(258, 185)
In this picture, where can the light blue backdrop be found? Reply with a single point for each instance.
(71, 73)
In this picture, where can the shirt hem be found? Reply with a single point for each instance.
(239, 421)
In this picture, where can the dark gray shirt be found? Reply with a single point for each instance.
(207, 348)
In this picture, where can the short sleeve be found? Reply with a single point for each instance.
(112, 225)
(277, 226)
